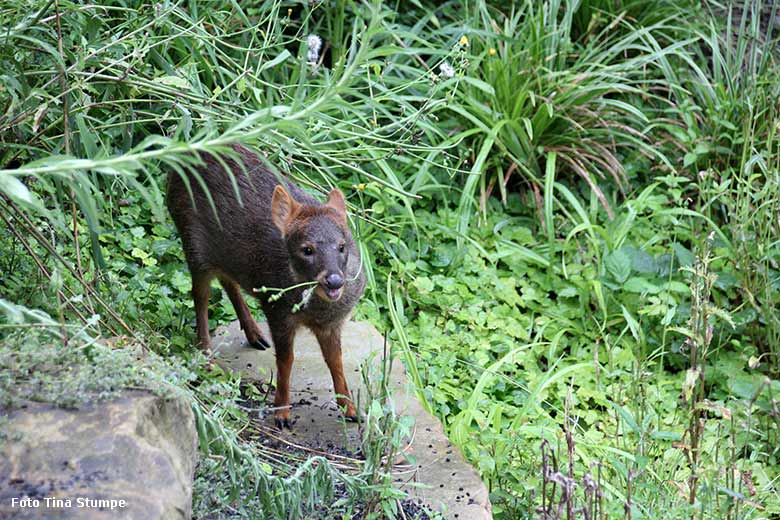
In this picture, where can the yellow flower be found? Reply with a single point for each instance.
(360, 187)
(289, 13)
(492, 51)
(464, 41)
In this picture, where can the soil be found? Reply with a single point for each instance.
(412, 508)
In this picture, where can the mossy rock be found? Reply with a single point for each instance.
(139, 447)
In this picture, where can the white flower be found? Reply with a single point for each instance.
(305, 297)
(314, 43)
(446, 70)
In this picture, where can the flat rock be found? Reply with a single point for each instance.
(449, 483)
(139, 448)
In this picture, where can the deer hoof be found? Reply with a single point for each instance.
(259, 344)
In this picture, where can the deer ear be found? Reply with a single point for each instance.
(283, 208)
(336, 201)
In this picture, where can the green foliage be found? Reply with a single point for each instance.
(529, 83)
(36, 365)
(603, 147)
(135, 91)
(46, 361)
(726, 111)
(499, 341)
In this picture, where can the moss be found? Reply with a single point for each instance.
(35, 365)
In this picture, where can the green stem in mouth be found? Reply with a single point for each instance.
(279, 292)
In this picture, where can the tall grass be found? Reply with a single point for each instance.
(529, 82)
(101, 102)
(106, 99)
(632, 130)
(698, 143)
(726, 97)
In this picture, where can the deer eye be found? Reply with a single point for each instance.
(307, 250)
(341, 248)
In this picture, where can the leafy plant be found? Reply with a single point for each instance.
(601, 145)
(526, 87)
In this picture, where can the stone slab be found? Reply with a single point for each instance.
(139, 448)
(450, 484)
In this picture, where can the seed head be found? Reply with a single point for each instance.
(314, 43)
(446, 70)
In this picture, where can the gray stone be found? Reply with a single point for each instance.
(445, 476)
(140, 448)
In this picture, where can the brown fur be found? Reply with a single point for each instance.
(279, 237)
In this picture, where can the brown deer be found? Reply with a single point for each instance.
(274, 235)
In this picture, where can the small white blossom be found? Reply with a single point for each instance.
(314, 43)
(446, 70)
(305, 297)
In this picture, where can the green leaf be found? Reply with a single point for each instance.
(549, 182)
(677, 287)
(276, 61)
(633, 325)
(627, 417)
(14, 188)
(529, 128)
(423, 284)
(666, 436)
(508, 248)
(640, 286)
(86, 137)
(481, 85)
(618, 265)
(139, 253)
(641, 261)
(684, 255)
(173, 81)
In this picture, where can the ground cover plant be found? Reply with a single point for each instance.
(569, 212)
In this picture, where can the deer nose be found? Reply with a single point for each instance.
(334, 281)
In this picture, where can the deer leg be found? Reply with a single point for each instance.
(330, 344)
(248, 323)
(283, 336)
(200, 297)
